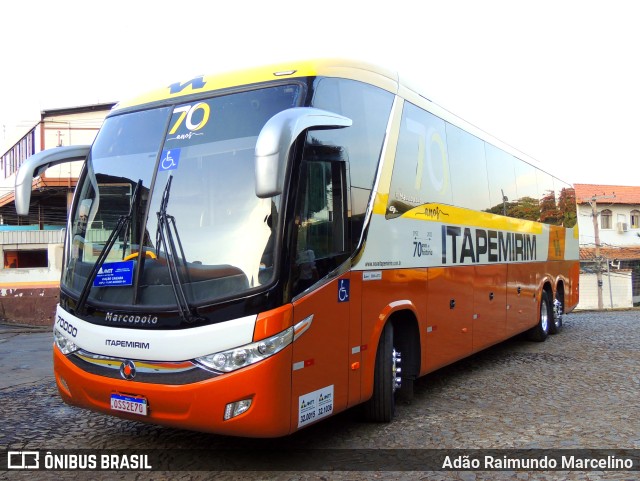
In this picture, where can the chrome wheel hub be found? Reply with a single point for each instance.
(544, 316)
(557, 311)
(396, 370)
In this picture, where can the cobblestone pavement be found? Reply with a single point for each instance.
(579, 389)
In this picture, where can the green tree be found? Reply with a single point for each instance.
(549, 213)
(567, 207)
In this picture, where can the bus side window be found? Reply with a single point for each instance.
(321, 212)
(369, 108)
(421, 171)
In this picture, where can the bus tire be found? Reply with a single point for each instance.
(381, 407)
(540, 331)
(558, 310)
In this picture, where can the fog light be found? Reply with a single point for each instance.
(62, 383)
(235, 409)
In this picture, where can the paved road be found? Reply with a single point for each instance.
(579, 389)
(25, 356)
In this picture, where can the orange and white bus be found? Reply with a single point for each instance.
(250, 253)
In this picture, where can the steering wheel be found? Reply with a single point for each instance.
(133, 255)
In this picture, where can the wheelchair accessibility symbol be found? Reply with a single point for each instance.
(343, 290)
(169, 159)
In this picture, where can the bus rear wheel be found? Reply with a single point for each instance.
(540, 331)
(558, 311)
(386, 380)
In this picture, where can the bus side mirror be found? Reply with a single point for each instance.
(37, 164)
(276, 138)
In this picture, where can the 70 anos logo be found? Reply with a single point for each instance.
(201, 110)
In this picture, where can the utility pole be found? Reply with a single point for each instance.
(594, 213)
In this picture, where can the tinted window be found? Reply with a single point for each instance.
(549, 213)
(421, 170)
(369, 108)
(468, 169)
(202, 194)
(320, 215)
(440, 162)
(528, 198)
(502, 180)
(526, 183)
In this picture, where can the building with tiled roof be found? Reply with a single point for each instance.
(618, 211)
(618, 223)
(624, 194)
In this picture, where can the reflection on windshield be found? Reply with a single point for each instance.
(226, 233)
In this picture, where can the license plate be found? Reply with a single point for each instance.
(129, 404)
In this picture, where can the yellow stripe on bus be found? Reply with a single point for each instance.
(459, 216)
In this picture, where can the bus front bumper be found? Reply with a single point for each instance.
(198, 406)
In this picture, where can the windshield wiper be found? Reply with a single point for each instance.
(166, 237)
(124, 221)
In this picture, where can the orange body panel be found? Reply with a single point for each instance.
(322, 355)
(355, 341)
(395, 290)
(272, 322)
(490, 305)
(198, 406)
(522, 298)
(460, 310)
(449, 316)
(573, 289)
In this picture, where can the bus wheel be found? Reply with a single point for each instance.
(386, 379)
(540, 331)
(558, 310)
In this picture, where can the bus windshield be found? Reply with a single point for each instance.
(167, 204)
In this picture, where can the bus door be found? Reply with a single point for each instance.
(321, 283)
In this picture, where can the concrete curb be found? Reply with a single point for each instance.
(15, 328)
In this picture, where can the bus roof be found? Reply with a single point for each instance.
(351, 69)
(327, 67)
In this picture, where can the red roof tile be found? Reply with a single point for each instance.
(620, 253)
(624, 194)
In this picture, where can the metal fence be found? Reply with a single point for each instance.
(32, 237)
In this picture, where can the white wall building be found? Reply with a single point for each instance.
(616, 290)
(618, 223)
(31, 246)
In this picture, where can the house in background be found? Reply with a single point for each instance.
(618, 224)
(31, 246)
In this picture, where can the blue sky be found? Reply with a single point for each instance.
(556, 80)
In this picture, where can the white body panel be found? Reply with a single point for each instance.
(155, 345)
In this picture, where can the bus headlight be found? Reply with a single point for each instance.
(242, 356)
(65, 345)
